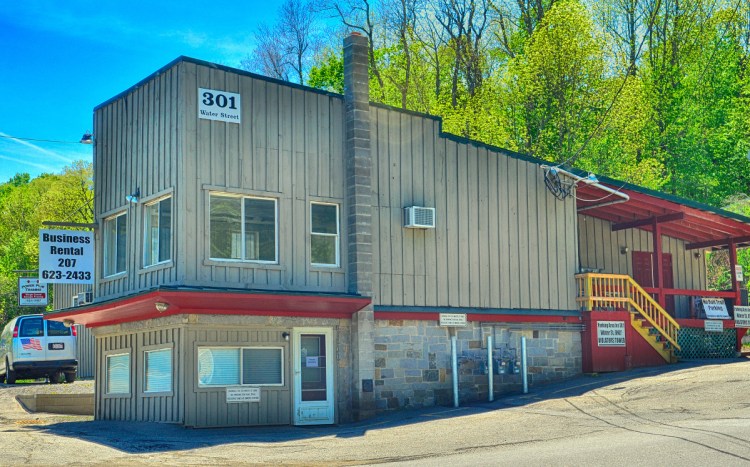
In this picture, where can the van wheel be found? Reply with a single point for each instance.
(10, 375)
(70, 377)
(54, 377)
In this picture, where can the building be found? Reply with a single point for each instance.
(257, 265)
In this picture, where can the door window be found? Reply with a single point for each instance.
(313, 354)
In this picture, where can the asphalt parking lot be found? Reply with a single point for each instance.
(694, 413)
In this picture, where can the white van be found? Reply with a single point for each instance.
(31, 347)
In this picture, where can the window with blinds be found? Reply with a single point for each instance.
(158, 368)
(229, 366)
(118, 374)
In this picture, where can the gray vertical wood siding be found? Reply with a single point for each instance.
(289, 146)
(501, 240)
(600, 249)
(138, 405)
(207, 406)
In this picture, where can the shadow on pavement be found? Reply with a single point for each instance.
(144, 437)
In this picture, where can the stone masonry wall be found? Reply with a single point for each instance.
(413, 361)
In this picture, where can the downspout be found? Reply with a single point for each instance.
(623, 196)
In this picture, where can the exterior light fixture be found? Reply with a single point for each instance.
(68, 323)
(87, 138)
(134, 197)
(285, 335)
(624, 250)
(161, 307)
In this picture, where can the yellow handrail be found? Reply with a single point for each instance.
(618, 291)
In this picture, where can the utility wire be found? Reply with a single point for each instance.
(39, 140)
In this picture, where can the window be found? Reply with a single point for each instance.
(158, 368)
(118, 374)
(57, 328)
(324, 234)
(115, 239)
(157, 232)
(243, 228)
(31, 327)
(257, 366)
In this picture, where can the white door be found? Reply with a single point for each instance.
(313, 376)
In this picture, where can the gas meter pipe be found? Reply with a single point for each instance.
(524, 366)
(454, 358)
(491, 389)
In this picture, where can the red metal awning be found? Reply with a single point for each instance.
(700, 225)
(218, 302)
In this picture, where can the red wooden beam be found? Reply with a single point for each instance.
(715, 243)
(676, 216)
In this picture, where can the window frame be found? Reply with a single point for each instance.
(243, 234)
(146, 246)
(337, 235)
(118, 353)
(240, 366)
(106, 240)
(152, 349)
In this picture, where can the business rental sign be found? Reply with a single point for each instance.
(66, 257)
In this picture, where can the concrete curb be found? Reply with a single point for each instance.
(65, 404)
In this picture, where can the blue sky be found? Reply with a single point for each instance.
(59, 59)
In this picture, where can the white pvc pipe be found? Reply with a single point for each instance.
(491, 390)
(524, 366)
(454, 358)
(623, 196)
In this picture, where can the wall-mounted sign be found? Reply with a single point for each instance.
(713, 325)
(738, 273)
(715, 308)
(742, 316)
(453, 319)
(66, 257)
(242, 394)
(610, 333)
(31, 292)
(219, 105)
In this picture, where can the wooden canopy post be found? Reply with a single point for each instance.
(658, 264)
(732, 272)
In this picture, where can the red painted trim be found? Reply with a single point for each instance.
(691, 292)
(699, 323)
(142, 307)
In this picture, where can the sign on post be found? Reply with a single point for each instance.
(715, 308)
(31, 292)
(66, 257)
(742, 316)
(610, 333)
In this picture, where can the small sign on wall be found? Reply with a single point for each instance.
(738, 273)
(242, 394)
(610, 333)
(715, 308)
(219, 105)
(713, 326)
(453, 319)
(742, 316)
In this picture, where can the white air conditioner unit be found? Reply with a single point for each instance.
(85, 298)
(416, 217)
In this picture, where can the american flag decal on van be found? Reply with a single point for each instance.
(31, 344)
